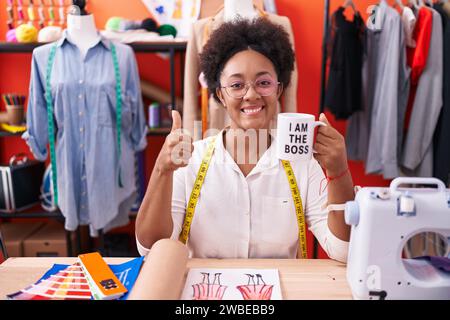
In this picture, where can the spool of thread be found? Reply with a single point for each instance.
(11, 35)
(153, 115)
(150, 25)
(61, 15)
(51, 14)
(49, 34)
(41, 14)
(407, 205)
(26, 33)
(20, 13)
(130, 25)
(10, 12)
(30, 12)
(118, 24)
(167, 29)
(113, 24)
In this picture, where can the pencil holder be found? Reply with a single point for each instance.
(15, 114)
(153, 115)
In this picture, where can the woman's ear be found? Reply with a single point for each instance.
(280, 90)
(220, 95)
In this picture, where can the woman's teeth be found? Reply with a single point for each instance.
(251, 110)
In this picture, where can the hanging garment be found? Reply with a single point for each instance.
(373, 134)
(446, 7)
(343, 93)
(418, 56)
(417, 154)
(218, 117)
(441, 167)
(83, 92)
(409, 22)
(358, 125)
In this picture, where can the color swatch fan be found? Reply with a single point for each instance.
(102, 281)
(67, 284)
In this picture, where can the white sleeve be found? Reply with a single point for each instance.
(317, 216)
(178, 201)
(143, 251)
(178, 208)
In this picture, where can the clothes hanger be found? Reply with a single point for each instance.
(400, 4)
(415, 4)
(350, 3)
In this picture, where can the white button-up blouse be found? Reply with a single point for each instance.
(252, 216)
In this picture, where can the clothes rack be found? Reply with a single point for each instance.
(326, 14)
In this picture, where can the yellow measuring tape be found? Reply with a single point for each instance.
(298, 207)
(195, 193)
(201, 174)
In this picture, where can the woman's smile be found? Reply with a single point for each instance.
(252, 111)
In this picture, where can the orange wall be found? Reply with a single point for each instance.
(307, 20)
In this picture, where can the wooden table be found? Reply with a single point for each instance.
(300, 279)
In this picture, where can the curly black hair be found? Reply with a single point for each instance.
(261, 35)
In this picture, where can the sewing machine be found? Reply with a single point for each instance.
(383, 220)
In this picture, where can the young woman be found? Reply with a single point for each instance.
(228, 195)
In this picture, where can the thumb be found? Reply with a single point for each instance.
(176, 120)
(324, 119)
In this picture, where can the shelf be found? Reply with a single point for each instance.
(171, 47)
(30, 215)
(158, 46)
(158, 132)
(10, 134)
(9, 47)
(43, 214)
(36, 212)
(150, 132)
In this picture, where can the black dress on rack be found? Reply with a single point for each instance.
(441, 165)
(346, 48)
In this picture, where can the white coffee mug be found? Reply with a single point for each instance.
(295, 136)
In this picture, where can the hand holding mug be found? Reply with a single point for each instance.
(295, 136)
(330, 149)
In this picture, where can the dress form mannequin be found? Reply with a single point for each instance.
(81, 29)
(242, 8)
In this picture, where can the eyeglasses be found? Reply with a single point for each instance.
(264, 87)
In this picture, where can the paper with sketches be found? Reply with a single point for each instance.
(232, 284)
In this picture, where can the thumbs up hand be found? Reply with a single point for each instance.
(176, 121)
(177, 149)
